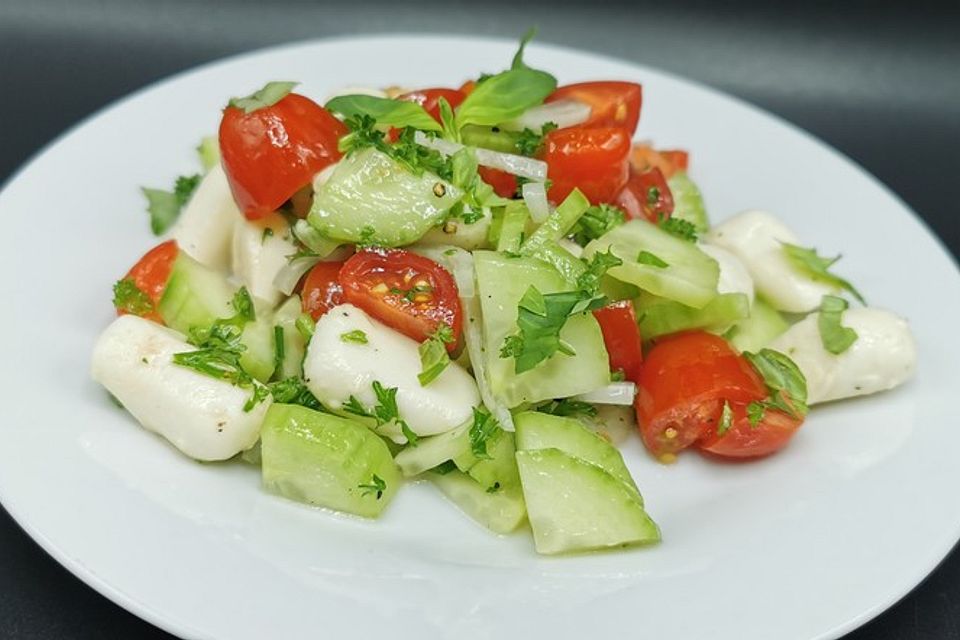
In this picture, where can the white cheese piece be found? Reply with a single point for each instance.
(883, 356)
(336, 369)
(756, 238)
(258, 258)
(205, 225)
(200, 415)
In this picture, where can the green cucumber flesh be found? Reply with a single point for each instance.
(324, 460)
(294, 345)
(433, 451)
(687, 201)
(659, 316)
(500, 511)
(195, 296)
(690, 276)
(490, 138)
(759, 329)
(577, 506)
(258, 358)
(496, 471)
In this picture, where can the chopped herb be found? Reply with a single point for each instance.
(445, 467)
(786, 385)
(354, 406)
(129, 298)
(367, 235)
(472, 216)
(412, 438)
(294, 391)
(596, 221)
(529, 142)
(835, 337)
(683, 229)
(484, 427)
(493, 488)
(726, 419)
(568, 407)
(601, 262)
(305, 325)
(433, 354)
(384, 412)
(269, 95)
(356, 336)
(653, 196)
(376, 486)
(278, 348)
(755, 413)
(164, 206)
(816, 268)
(647, 258)
(267, 233)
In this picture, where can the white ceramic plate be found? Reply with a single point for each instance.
(807, 544)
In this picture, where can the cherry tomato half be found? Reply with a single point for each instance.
(683, 383)
(644, 157)
(321, 289)
(595, 160)
(429, 99)
(270, 153)
(744, 440)
(405, 291)
(612, 104)
(621, 336)
(503, 183)
(152, 272)
(646, 195)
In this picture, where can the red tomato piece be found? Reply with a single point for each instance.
(743, 440)
(621, 336)
(152, 272)
(503, 183)
(595, 160)
(429, 99)
(321, 289)
(612, 104)
(270, 153)
(468, 87)
(405, 291)
(644, 157)
(683, 384)
(646, 195)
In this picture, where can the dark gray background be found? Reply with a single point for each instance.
(879, 81)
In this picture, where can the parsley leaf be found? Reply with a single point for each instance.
(484, 428)
(817, 268)
(726, 419)
(433, 354)
(596, 221)
(386, 112)
(305, 326)
(164, 206)
(294, 391)
(279, 348)
(377, 485)
(755, 412)
(356, 336)
(600, 263)
(786, 385)
(529, 142)
(835, 337)
(384, 412)
(647, 258)
(568, 407)
(269, 95)
(683, 229)
(129, 298)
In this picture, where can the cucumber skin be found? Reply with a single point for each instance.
(658, 316)
(501, 283)
(500, 511)
(537, 430)
(687, 201)
(574, 506)
(320, 459)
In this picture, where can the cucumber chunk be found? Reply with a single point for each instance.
(434, 451)
(759, 329)
(537, 430)
(659, 316)
(327, 461)
(577, 506)
(195, 296)
(372, 199)
(500, 511)
(690, 276)
(687, 201)
(294, 345)
(258, 359)
(498, 470)
(501, 283)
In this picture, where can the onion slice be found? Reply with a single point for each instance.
(522, 166)
(287, 278)
(619, 393)
(535, 195)
(563, 113)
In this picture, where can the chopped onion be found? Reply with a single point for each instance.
(517, 165)
(563, 113)
(287, 278)
(323, 176)
(535, 195)
(621, 393)
(313, 239)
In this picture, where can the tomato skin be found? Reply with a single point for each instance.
(621, 336)
(429, 99)
(646, 195)
(595, 160)
(382, 282)
(683, 383)
(151, 274)
(271, 153)
(467, 87)
(612, 104)
(644, 157)
(321, 289)
(744, 440)
(503, 183)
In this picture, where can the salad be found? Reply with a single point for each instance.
(488, 288)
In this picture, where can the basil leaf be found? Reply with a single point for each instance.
(518, 62)
(835, 337)
(785, 382)
(386, 112)
(269, 95)
(816, 267)
(505, 96)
